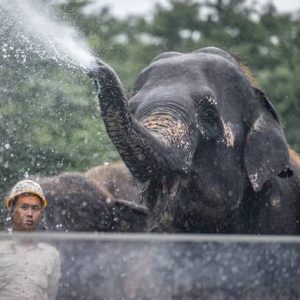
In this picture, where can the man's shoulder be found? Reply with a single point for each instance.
(7, 246)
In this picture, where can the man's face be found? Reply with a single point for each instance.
(27, 213)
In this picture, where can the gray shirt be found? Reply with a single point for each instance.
(28, 270)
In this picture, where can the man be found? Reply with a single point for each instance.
(28, 269)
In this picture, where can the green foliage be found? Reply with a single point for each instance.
(49, 117)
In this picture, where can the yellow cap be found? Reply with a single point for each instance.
(26, 186)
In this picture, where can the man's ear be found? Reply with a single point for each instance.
(266, 151)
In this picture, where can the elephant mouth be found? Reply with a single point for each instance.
(166, 191)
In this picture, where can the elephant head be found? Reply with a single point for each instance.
(197, 133)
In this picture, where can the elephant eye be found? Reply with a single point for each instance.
(210, 121)
(209, 114)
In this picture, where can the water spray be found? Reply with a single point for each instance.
(48, 36)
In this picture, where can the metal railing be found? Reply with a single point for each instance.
(155, 266)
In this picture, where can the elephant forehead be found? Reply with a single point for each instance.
(179, 78)
(170, 74)
(171, 98)
(183, 75)
(187, 66)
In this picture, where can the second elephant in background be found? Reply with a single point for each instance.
(77, 203)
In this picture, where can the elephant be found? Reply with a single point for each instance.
(205, 143)
(77, 204)
(117, 180)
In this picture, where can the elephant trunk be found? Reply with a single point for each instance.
(145, 147)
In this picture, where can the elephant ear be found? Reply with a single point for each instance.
(266, 151)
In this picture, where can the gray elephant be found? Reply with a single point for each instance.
(206, 144)
(77, 204)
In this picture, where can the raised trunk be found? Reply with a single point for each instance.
(145, 152)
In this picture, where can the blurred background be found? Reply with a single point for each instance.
(49, 116)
